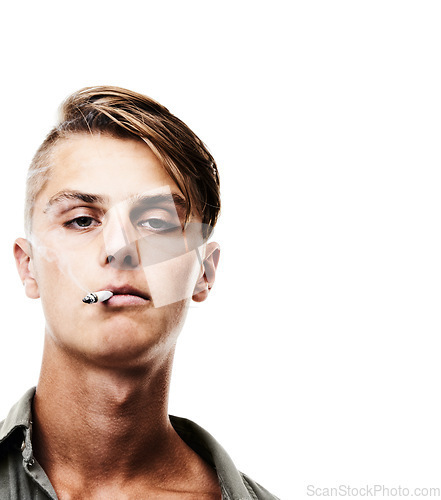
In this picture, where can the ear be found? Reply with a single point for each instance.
(24, 262)
(206, 280)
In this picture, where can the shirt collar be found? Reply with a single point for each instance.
(204, 444)
(20, 415)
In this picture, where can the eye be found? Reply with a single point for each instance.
(83, 222)
(157, 225)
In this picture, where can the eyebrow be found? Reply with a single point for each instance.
(144, 202)
(74, 196)
(140, 200)
(157, 199)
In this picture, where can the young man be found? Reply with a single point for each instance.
(121, 199)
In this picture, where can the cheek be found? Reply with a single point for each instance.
(61, 272)
(173, 280)
(59, 295)
(65, 257)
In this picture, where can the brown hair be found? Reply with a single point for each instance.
(125, 114)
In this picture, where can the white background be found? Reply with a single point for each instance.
(316, 360)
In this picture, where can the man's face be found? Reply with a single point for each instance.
(110, 218)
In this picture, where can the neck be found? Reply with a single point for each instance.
(90, 417)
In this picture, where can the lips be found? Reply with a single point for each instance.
(127, 290)
(126, 295)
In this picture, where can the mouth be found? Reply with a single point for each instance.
(126, 295)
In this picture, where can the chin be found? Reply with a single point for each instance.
(120, 343)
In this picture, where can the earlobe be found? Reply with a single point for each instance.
(24, 263)
(206, 281)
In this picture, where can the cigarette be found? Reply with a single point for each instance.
(94, 297)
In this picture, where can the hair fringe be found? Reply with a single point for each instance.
(126, 114)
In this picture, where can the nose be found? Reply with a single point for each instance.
(120, 243)
(126, 257)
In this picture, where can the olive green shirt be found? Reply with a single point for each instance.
(22, 478)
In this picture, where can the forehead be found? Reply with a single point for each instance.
(115, 168)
